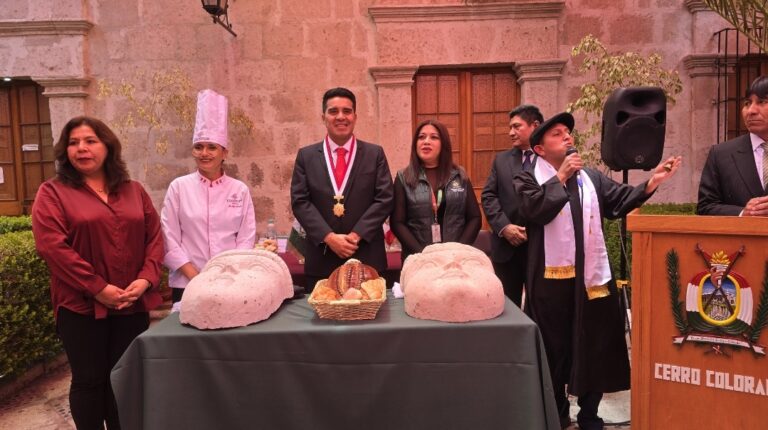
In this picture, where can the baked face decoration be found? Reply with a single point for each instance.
(451, 282)
(236, 288)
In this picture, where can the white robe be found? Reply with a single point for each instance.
(201, 219)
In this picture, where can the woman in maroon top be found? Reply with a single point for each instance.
(100, 236)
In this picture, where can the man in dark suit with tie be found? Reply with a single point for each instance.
(734, 176)
(500, 203)
(341, 193)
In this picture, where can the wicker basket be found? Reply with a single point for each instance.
(347, 310)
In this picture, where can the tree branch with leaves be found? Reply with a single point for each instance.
(612, 71)
(163, 101)
(747, 16)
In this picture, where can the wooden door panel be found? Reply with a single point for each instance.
(448, 94)
(501, 140)
(482, 93)
(6, 145)
(452, 123)
(481, 167)
(483, 131)
(8, 187)
(426, 88)
(28, 105)
(5, 106)
(30, 143)
(505, 92)
(33, 176)
(26, 144)
(46, 142)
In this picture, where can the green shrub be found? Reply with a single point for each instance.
(15, 223)
(669, 209)
(27, 331)
(611, 230)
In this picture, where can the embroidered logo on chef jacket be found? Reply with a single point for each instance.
(235, 201)
(455, 186)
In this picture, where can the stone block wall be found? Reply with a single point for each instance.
(288, 52)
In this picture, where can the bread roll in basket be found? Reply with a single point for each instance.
(354, 291)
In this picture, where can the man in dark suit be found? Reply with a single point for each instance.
(500, 203)
(734, 176)
(341, 193)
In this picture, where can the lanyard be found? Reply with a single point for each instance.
(331, 165)
(436, 203)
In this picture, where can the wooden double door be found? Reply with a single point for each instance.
(474, 105)
(26, 145)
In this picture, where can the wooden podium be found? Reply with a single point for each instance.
(698, 356)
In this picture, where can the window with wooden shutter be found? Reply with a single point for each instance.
(26, 145)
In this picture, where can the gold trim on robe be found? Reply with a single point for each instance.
(598, 292)
(559, 272)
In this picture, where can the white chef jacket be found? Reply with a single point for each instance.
(201, 218)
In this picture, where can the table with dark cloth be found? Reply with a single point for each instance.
(296, 371)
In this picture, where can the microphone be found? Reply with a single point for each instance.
(569, 151)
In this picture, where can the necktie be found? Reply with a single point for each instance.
(341, 166)
(571, 184)
(527, 159)
(765, 165)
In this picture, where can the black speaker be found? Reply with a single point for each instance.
(634, 122)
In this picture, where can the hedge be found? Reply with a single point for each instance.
(27, 331)
(15, 223)
(613, 239)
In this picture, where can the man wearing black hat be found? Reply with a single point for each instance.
(509, 246)
(570, 293)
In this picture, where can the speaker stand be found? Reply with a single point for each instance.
(623, 283)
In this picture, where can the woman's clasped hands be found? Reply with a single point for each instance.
(114, 297)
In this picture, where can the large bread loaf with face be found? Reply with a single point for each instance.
(236, 288)
(451, 282)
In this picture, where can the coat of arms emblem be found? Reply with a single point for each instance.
(719, 309)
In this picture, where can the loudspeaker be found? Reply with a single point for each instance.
(634, 123)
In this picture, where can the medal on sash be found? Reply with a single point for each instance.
(338, 207)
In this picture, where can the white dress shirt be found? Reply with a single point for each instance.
(757, 151)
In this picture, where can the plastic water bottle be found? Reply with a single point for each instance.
(271, 233)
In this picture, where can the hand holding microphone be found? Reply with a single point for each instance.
(571, 164)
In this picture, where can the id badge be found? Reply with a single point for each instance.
(436, 237)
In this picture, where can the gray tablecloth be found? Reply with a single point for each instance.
(298, 371)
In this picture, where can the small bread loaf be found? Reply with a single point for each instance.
(325, 293)
(374, 289)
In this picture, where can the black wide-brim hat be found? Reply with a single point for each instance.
(562, 118)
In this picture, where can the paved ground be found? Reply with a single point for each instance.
(44, 405)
